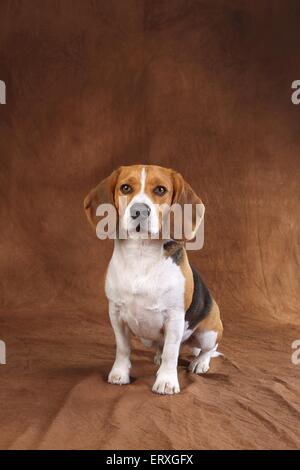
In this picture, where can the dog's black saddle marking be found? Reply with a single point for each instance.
(201, 302)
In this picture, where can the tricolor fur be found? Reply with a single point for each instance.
(153, 291)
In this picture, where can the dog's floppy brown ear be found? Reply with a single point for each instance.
(184, 194)
(103, 193)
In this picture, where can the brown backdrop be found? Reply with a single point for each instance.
(201, 86)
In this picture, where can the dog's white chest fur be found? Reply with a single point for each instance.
(144, 285)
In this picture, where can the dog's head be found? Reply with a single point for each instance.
(144, 196)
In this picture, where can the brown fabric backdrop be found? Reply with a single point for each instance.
(201, 86)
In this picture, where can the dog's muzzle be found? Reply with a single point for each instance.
(140, 212)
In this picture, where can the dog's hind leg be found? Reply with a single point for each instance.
(209, 346)
(205, 339)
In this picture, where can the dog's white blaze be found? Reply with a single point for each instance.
(143, 180)
(142, 197)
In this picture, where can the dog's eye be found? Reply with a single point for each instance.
(126, 188)
(160, 190)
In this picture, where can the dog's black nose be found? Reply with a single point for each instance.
(139, 210)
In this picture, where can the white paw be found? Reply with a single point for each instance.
(200, 365)
(157, 358)
(118, 376)
(166, 384)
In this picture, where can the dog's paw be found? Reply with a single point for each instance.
(166, 384)
(118, 377)
(200, 365)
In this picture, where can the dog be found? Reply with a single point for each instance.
(153, 291)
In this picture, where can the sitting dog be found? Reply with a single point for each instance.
(152, 290)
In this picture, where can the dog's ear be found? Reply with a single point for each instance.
(193, 215)
(103, 193)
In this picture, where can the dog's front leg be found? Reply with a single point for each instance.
(120, 371)
(167, 379)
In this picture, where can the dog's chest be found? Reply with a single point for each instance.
(146, 290)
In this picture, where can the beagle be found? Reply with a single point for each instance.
(153, 291)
